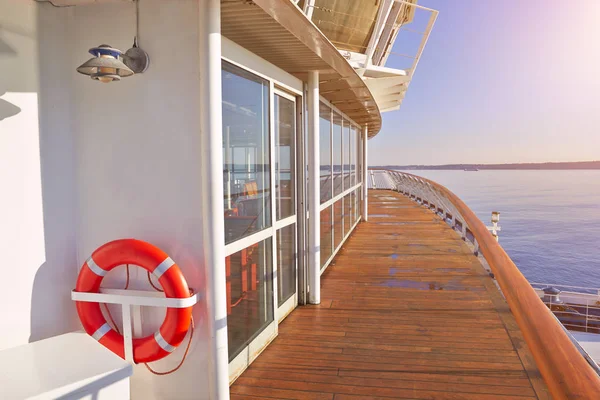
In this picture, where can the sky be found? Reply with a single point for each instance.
(498, 82)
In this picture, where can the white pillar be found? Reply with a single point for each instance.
(365, 171)
(314, 226)
(212, 196)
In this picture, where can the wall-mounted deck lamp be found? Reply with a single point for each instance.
(110, 64)
(106, 65)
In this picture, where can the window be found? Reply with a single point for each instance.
(358, 203)
(325, 152)
(353, 156)
(359, 157)
(347, 214)
(337, 155)
(347, 148)
(246, 153)
(285, 140)
(354, 206)
(249, 294)
(338, 227)
(326, 235)
(286, 263)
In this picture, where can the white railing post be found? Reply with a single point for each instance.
(495, 228)
(587, 314)
(314, 226)
(127, 333)
(365, 191)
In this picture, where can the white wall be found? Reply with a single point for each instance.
(83, 163)
(138, 160)
(37, 195)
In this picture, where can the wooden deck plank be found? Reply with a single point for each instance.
(407, 312)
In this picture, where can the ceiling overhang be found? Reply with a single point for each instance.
(279, 32)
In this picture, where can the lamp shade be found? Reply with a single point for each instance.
(495, 216)
(105, 66)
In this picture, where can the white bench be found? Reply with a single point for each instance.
(69, 366)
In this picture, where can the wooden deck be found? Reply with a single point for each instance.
(407, 312)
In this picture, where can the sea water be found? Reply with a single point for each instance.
(550, 219)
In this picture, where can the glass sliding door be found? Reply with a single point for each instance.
(249, 206)
(284, 126)
(260, 197)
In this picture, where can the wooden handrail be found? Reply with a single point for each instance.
(565, 371)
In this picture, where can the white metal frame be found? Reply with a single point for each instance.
(285, 88)
(281, 310)
(131, 302)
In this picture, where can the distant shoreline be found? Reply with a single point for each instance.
(580, 165)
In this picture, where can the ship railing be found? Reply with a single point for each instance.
(569, 288)
(566, 371)
(576, 307)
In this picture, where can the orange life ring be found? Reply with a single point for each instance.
(151, 258)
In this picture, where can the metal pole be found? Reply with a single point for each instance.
(365, 194)
(301, 205)
(314, 228)
(212, 209)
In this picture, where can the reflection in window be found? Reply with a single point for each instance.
(346, 154)
(359, 201)
(359, 144)
(353, 207)
(325, 152)
(353, 156)
(347, 214)
(326, 235)
(286, 263)
(249, 294)
(246, 155)
(338, 228)
(285, 139)
(337, 154)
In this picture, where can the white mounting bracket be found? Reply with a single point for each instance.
(494, 229)
(131, 302)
